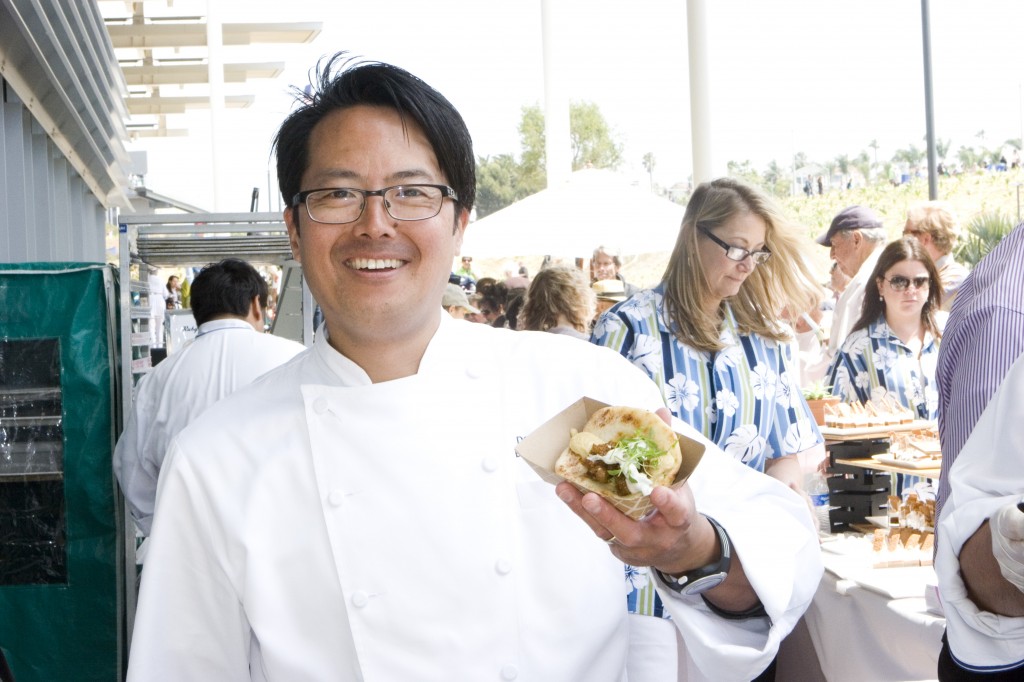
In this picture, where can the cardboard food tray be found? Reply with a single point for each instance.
(545, 444)
(864, 432)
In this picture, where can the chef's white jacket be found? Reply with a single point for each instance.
(225, 355)
(987, 475)
(317, 526)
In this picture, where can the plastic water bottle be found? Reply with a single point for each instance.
(817, 490)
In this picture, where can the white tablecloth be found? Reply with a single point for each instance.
(870, 623)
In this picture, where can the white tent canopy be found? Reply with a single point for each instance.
(594, 207)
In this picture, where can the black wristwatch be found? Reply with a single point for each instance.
(702, 579)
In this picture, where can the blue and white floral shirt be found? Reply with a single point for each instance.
(873, 361)
(744, 398)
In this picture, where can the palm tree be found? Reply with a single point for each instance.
(649, 167)
(983, 233)
(863, 164)
(874, 145)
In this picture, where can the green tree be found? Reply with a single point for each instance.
(497, 183)
(863, 164)
(911, 155)
(874, 145)
(502, 180)
(744, 171)
(843, 163)
(967, 156)
(983, 233)
(649, 166)
(591, 138)
(777, 179)
(533, 174)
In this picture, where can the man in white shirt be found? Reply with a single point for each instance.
(855, 239)
(362, 514)
(230, 350)
(979, 558)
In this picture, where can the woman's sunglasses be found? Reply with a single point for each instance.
(900, 283)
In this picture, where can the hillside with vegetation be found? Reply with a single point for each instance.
(987, 202)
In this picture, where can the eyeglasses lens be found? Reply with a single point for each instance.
(345, 205)
(900, 283)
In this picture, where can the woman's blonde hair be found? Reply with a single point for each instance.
(558, 289)
(785, 281)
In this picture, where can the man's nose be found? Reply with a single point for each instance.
(375, 220)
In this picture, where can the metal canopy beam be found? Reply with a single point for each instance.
(141, 106)
(195, 239)
(179, 74)
(58, 60)
(149, 36)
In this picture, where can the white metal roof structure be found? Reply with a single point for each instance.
(74, 83)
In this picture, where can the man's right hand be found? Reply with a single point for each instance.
(1007, 527)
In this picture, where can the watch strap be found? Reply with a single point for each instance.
(689, 582)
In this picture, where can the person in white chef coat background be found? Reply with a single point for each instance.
(327, 523)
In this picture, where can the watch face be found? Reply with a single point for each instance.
(701, 585)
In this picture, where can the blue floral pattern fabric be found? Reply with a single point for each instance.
(874, 361)
(744, 398)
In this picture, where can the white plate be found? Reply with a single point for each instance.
(889, 458)
(880, 521)
(878, 431)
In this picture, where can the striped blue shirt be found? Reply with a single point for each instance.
(982, 339)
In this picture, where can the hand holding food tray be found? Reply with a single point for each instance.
(631, 431)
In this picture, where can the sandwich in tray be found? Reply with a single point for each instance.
(621, 453)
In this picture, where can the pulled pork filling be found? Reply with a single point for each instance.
(626, 464)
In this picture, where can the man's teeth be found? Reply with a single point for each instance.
(374, 263)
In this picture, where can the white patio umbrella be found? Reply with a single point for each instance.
(594, 207)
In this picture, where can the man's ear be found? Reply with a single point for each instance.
(291, 221)
(255, 316)
(461, 220)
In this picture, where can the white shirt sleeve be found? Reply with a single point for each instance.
(135, 466)
(988, 474)
(781, 558)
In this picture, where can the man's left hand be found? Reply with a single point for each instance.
(674, 538)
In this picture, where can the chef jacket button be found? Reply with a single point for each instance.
(473, 372)
(360, 599)
(490, 464)
(503, 566)
(509, 671)
(320, 405)
(336, 498)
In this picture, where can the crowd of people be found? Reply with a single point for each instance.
(718, 336)
(359, 511)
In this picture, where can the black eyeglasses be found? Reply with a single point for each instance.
(340, 205)
(737, 253)
(900, 283)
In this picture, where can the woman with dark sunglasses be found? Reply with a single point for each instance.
(894, 345)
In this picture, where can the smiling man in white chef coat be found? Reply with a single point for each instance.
(328, 523)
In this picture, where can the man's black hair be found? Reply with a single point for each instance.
(226, 288)
(343, 81)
